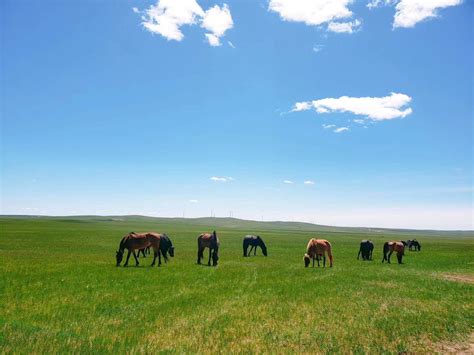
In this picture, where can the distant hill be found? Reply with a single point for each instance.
(240, 224)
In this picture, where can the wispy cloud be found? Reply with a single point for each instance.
(374, 108)
(341, 129)
(328, 126)
(318, 48)
(222, 178)
(344, 27)
(193, 201)
(308, 182)
(316, 13)
(167, 17)
(410, 12)
(287, 182)
(230, 44)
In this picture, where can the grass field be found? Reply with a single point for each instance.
(61, 291)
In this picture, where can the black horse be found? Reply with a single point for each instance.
(366, 249)
(254, 241)
(414, 244)
(166, 247)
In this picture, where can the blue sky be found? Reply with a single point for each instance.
(104, 110)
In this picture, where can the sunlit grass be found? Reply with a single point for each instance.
(62, 293)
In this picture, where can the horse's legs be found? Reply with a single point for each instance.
(399, 257)
(360, 250)
(388, 258)
(128, 257)
(313, 261)
(136, 259)
(324, 260)
(245, 250)
(209, 261)
(154, 257)
(254, 250)
(159, 257)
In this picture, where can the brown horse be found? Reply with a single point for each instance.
(316, 249)
(393, 246)
(211, 241)
(134, 241)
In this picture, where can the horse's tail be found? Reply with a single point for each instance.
(386, 247)
(200, 250)
(331, 258)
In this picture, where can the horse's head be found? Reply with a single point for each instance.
(171, 250)
(215, 258)
(262, 245)
(119, 256)
(307, 260)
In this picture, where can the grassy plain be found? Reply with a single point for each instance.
(61, 292)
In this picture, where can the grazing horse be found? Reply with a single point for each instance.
(414, 244)
(366, 249)
(134, 241)
(254, 242)
(316, 249)
(166, 246)
(390, 247)
(211, 241)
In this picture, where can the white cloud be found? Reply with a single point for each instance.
(217, 20)
(309, 182)
(222, 178)
(230, 44)
(287, 182)
(193, 201)
(327, 126)
(135, 10)
(341, 129)
(344, 27)
(318, 48)
(409, 12)
(374, 108)
(359, 121)
(167, 17)
(312, 13)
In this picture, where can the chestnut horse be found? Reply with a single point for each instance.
(393, 246)
(211, 241)
(134, 241)
(316, 249)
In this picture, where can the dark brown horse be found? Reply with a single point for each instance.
(393, 246)
(136, 241)
(211, 241)
(316, 249)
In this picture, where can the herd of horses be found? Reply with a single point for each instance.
(317, 249)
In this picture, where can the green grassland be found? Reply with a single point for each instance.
(61, 291)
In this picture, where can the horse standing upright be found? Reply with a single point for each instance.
(211, 241)
(316, 249)
(366, 249)
(393, 246)
(254, 242)
(134, 241)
